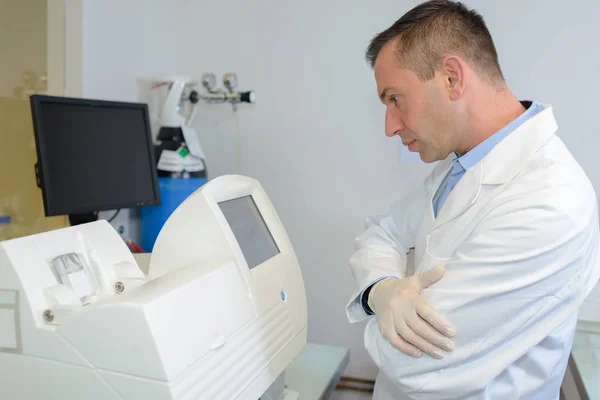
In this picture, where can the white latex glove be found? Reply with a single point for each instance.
(409, 322)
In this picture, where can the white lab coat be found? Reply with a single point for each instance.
(519, 237)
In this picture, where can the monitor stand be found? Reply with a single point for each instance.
(78, 219)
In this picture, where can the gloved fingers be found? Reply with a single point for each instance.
(434, 318)
(428, 333)
(388, 330)
(431, 276)
(417, 341)
(401, 344)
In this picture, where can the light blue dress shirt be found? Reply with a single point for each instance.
(461, 164)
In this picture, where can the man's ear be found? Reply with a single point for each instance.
(453, 71)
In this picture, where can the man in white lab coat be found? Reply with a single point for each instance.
(505, 228)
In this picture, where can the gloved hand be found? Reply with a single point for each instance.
(409, 322)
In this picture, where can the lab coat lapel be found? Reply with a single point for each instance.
(463, 196)
(500, 165)
(513, 153)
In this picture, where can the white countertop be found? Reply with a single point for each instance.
(315, 372)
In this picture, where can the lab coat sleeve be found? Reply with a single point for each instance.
(523, 272)
(381, 250)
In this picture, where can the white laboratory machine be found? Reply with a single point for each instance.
(219, 315)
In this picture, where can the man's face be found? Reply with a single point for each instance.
(416, 111)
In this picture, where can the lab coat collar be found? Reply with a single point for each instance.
(500, 165)
(511, 155)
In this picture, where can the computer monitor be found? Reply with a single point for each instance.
(93, 155)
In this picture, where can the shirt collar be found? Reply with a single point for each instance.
(476, 154)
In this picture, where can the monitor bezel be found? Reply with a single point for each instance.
(50, 208)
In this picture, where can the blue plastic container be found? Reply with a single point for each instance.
(5, 221)
(173, 191)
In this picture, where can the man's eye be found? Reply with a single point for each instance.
(393, 99)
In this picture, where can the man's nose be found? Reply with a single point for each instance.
(393, 123)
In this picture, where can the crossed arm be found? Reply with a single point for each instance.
(523, 273)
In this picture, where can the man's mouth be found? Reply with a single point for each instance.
(410, 144)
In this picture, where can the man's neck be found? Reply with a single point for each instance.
(490, 112)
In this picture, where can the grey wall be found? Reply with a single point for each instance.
(122, 41)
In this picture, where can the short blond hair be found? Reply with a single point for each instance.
(435, 29)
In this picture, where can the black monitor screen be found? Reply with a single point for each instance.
(93, 155)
